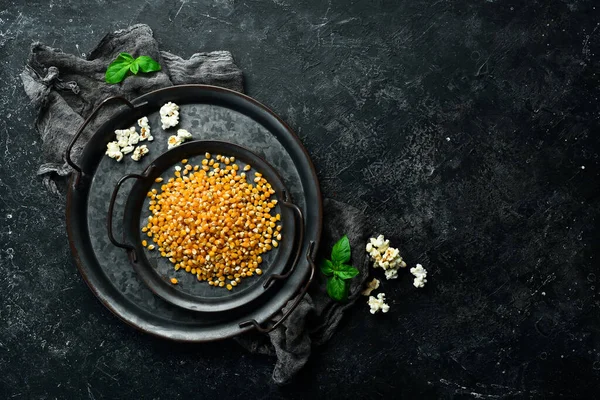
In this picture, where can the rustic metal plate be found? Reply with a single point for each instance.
(209, 113)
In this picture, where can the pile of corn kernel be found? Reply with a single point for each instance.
(210, 221)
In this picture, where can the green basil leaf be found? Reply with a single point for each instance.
(337, 289)
(125, 56)
(147, 64)
(117, 70)
(134, 67)
(327, 267)
(341, 251)
(346, 271)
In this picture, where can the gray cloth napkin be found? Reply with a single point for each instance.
(317, 316)
(65, 89)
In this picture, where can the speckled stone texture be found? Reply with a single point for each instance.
(468, 133)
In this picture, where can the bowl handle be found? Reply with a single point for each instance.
(109, 221)
(311, 263)
(78, 171)
(287, 203)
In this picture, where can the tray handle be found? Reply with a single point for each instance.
(311, 263)
(78, 171)
(109, 221)
(287, 203)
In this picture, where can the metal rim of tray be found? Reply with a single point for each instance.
(237, 321)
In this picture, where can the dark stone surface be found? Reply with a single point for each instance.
(467, 130)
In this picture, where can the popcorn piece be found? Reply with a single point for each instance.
(384, 256)
(145, 134)
(134, 138)
(123, 136)
(391, 273)
(420, 274)
(114, 151)
(374, 284)
(173, 141)
(144, 129)
(139, 152)
(143, 122)
(183, 134)
(378, 304)
(169, 115)
(127, 149)
(390, 258)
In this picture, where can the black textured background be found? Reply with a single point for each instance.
(467, 130)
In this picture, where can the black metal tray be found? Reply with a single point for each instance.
(209, 113)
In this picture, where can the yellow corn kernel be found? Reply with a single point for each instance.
(174, 281)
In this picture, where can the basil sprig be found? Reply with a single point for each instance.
(124, 63)
(338, 271)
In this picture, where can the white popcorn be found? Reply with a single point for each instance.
(169, 115)
(127, 149)
(384, 256)
(143, 122)
(114, 151)
(420, 274)
(134, 138)
(183, 134)
(144, 129)
(173, 141)
(139, 152)
(380, 242)
(378, 304)
(374, 284)
(391, 273)
(145, 134)
(123, 136)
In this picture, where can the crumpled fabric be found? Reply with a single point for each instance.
(317, 317)
(65, 89)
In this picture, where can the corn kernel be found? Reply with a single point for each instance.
(174, 281)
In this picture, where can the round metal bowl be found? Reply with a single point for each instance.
(156, 271)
